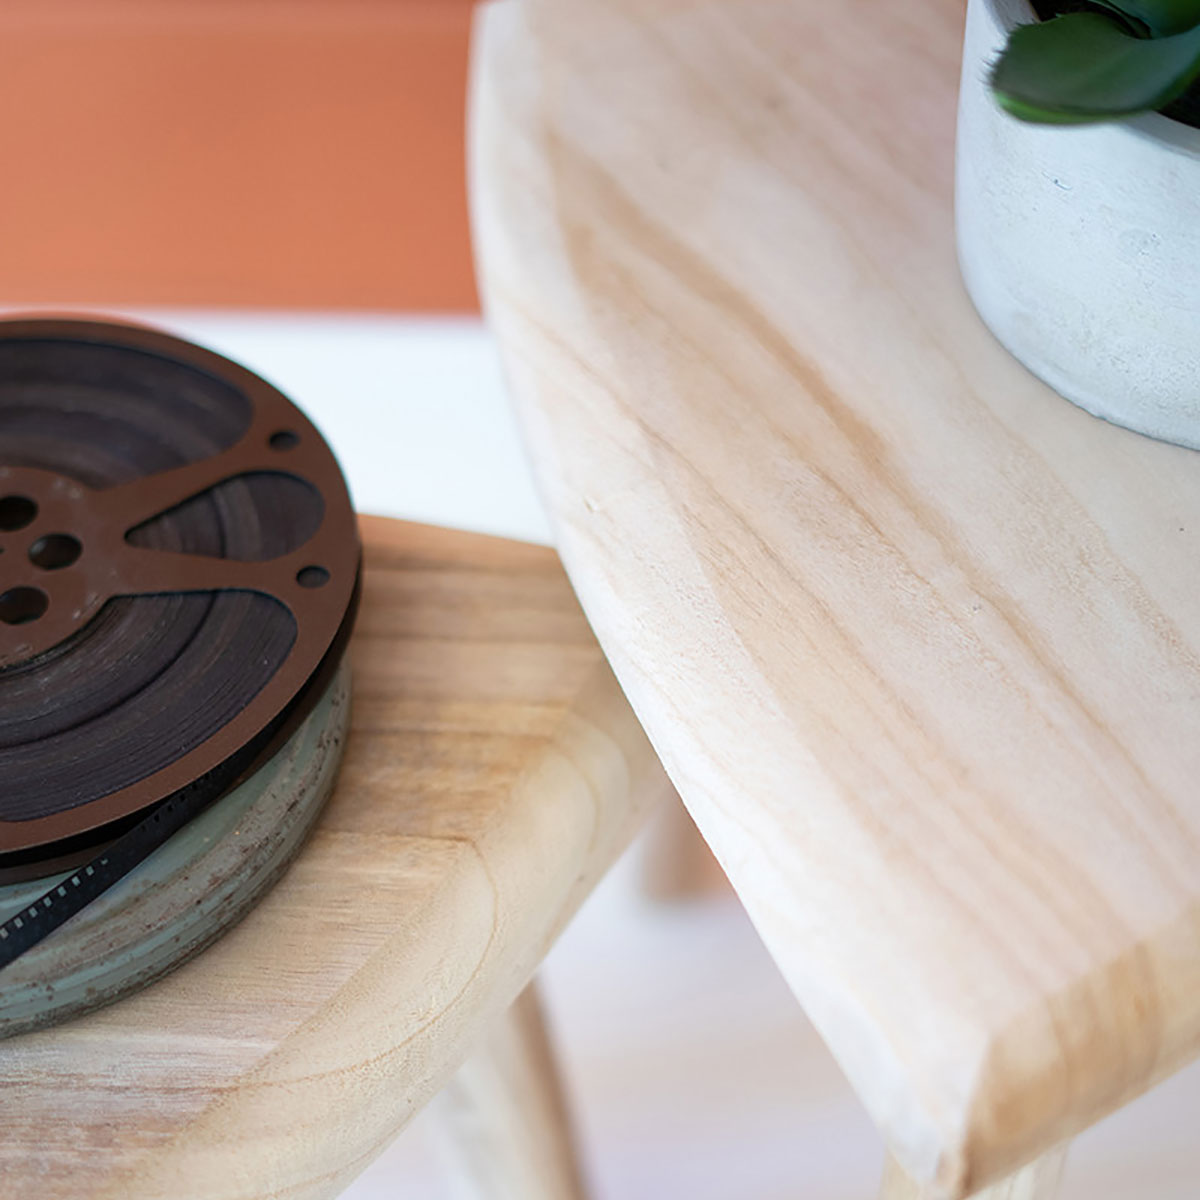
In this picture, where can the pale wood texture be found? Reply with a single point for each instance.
(503, 1119)
(1038, 1181)
(919, 642)
(492, 773)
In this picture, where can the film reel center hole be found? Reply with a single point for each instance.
(284, 439)
(20, 605)
(312, 577)
(55, 551)
(16, 512)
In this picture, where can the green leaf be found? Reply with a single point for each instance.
(1161, 17)
(1085, 67)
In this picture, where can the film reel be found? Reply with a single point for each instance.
(178, 573)
(185, 894)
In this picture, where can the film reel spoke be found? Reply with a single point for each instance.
(161, 572)
(290, 579)
(140, 500)
(131, 504)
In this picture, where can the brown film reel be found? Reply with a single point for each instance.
(178, 560)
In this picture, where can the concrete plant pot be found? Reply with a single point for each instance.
(1080, 246)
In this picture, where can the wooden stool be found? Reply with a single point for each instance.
(918, 641)
(492, 774)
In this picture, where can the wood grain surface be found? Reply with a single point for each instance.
(493, 771)
(918, 642)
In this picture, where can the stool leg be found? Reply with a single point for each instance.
(678, 866)
(1038, 1181)
(502, 1121)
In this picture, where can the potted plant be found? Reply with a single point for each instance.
(1078, 199)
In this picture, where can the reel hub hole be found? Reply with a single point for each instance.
(20, 605)
(55, 551)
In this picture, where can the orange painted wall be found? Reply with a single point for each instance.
(283, 153)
